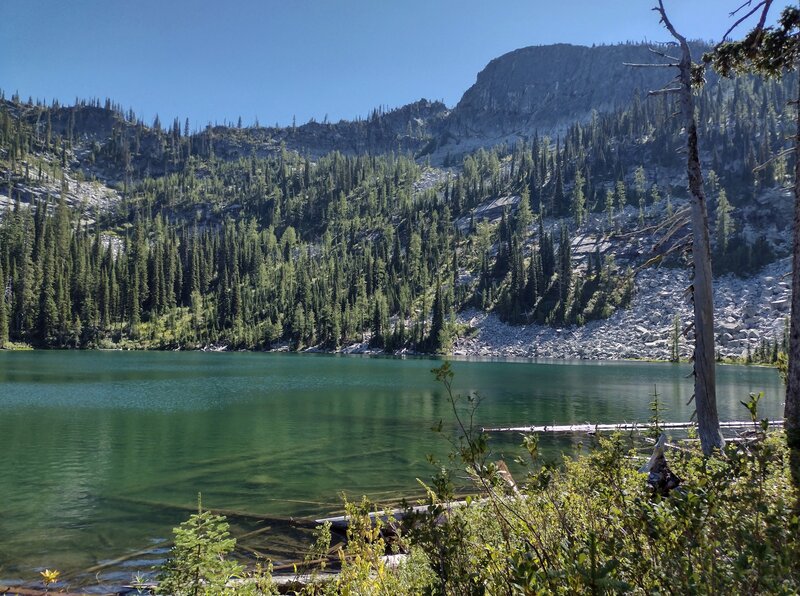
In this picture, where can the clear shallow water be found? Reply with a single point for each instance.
(93, 442)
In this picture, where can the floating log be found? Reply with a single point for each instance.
(630, 426)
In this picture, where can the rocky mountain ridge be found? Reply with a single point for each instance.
(537, 90)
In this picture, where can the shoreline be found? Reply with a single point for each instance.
(748, 312)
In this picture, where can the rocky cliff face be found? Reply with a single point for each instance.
(538, 89)
(550, 87)
(545, 89)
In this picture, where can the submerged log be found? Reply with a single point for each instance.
(230, 513)
(253, 533)
(626, 426)
(126, 557)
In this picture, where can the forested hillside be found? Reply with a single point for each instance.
(119, 233)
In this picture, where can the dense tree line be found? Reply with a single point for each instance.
(258, 249)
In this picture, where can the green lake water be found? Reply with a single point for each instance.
(96, 446)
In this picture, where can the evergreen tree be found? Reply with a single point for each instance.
(724, 224)
(524, 214)
(622, 198)
(609, 205)
(3, 309)
(578, 199)
(564, 264)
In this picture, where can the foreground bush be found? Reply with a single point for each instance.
(594, 526)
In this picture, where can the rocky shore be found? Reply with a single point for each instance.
(747, 311)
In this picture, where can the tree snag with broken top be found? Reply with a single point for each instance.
(682, 86)
(660, 478)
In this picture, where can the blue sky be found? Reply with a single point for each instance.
(215, 61)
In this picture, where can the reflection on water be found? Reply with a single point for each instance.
(95, 444)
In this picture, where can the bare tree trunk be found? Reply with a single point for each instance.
(705, 395)
(792, 408)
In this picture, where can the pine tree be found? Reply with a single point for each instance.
(622, 198)
(559, 199)
(436, 338)
(640, 185)
(547, 253)
(655, 196)
(610, 206)
(675, 352)
(578, 199)
(535, 285)
(564, 264)
(524, 214)
(724, 224)
(3, 309)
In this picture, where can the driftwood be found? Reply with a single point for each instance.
(632, 426)
(505, 474)
(300, 564)
(290, 584)
(253, 533)
(253, 552)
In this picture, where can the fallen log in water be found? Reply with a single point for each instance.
(340, 522)
(230, 513)
(253, 533)
(624, 426)
(126, 557)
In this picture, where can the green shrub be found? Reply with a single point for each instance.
(364, 571)
(592, 525)
(197, 563)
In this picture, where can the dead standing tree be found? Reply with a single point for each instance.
(682, 86)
